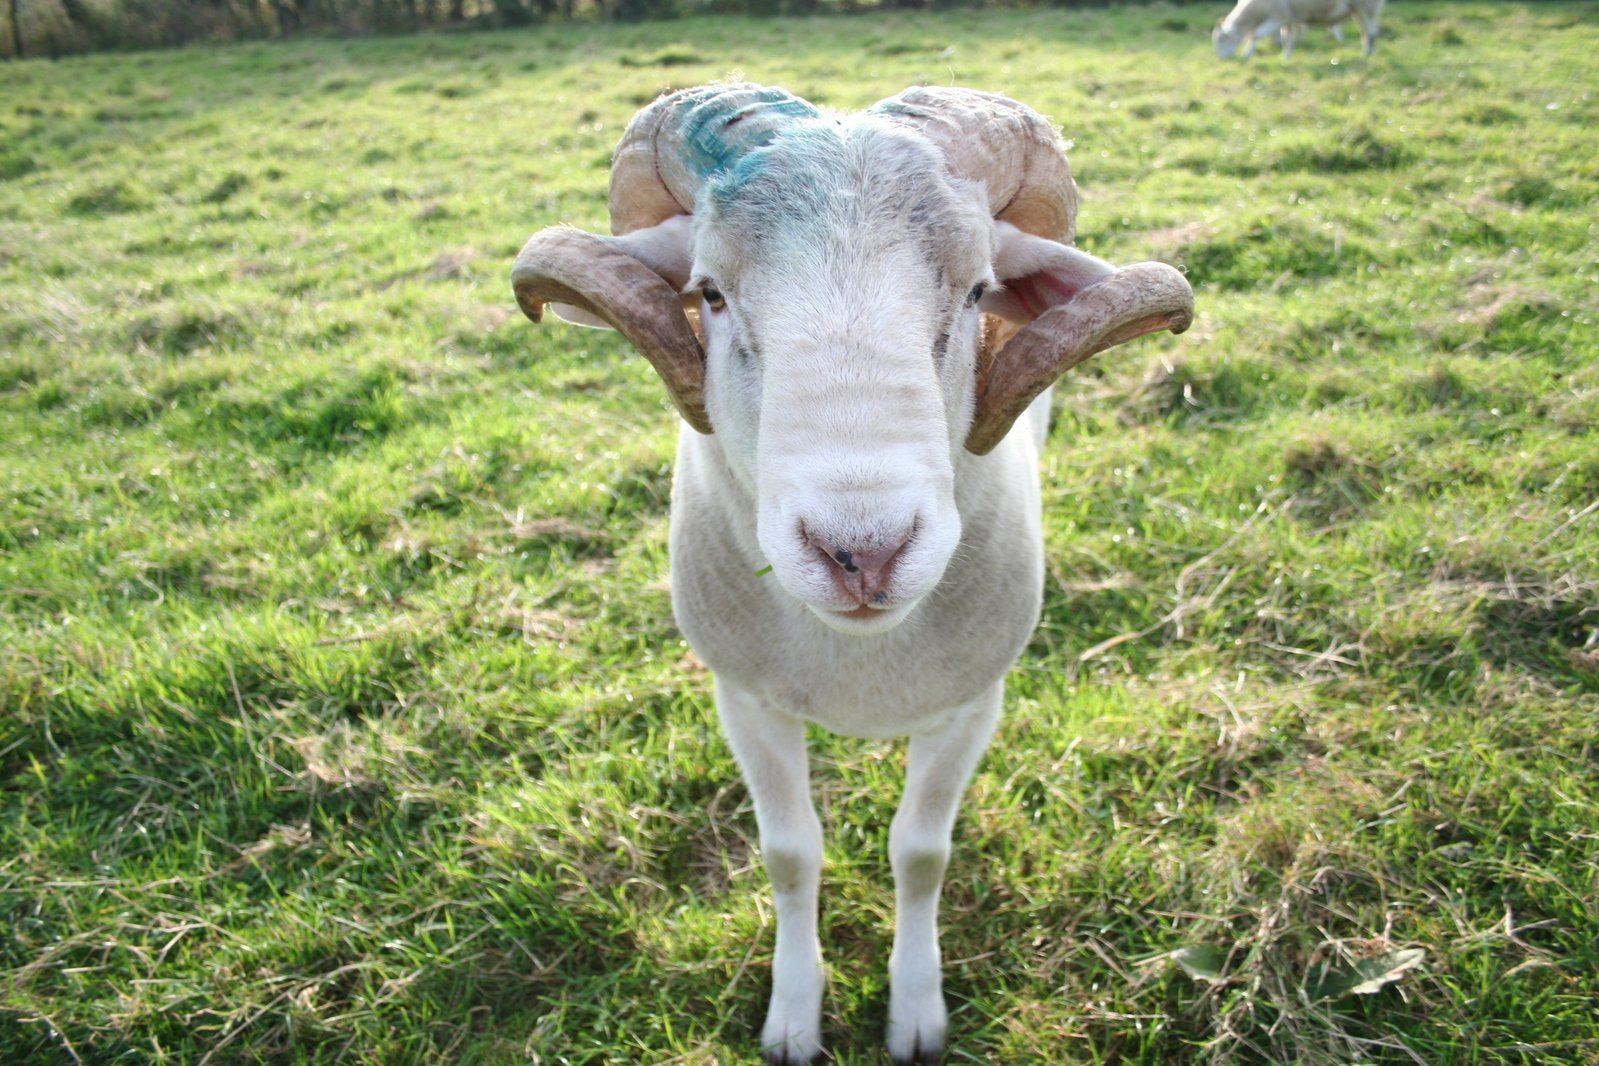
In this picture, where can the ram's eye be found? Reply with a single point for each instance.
(976, 293)
(713, 297)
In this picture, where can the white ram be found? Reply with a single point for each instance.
(855, 530)
(1252, 19)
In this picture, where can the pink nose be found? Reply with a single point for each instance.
(863, 571)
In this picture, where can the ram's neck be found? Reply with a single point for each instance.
(1254, 12)
(707, 489)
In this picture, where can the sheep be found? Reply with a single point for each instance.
(1251, 19)
(850, 313)
(1296, 30)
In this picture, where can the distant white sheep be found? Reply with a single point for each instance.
(1253, 19)
(851, 313)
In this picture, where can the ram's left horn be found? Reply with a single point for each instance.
(1132, 301)
(1020, 159)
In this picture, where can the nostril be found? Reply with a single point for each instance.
(865, 565)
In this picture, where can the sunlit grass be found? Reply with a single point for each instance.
(342, 717)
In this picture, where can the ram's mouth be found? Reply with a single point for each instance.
(865, 620)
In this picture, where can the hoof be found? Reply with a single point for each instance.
(916, 1028)
(920, 1056)
(793, 1047)
(922, 1046)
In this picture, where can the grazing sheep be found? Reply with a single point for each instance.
(1252, 19)
(850, 313)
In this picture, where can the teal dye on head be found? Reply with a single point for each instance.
(808, 160)
(789, 191)
(724, 127)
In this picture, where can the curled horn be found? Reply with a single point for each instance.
(1130, 302)
(1009, 147)
(568, 266)
(674, 144)
(1016, 153)
(666, 153)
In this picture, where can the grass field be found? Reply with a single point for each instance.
(342, 718)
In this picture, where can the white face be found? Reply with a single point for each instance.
(1226, 41)
(840, 371)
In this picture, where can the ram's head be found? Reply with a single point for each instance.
(848, 303)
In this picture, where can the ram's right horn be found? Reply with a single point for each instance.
(631, 282)
(675, 143)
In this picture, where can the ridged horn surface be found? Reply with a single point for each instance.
(568, 266)
(1132, 301)
(1008, 146)
(675, 143)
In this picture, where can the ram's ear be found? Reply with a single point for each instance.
(1036, 274)
(667, 249)
(631, 284)
(1072, 305)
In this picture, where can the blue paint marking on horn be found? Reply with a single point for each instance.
(895, 106)
(726, 123)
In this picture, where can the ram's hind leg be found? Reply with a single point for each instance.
(770, 747)
(937, 768)
(1369, 28)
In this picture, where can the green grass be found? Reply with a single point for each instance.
(342, 718)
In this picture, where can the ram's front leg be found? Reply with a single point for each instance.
(938, 766)
(770, 748)
(1290, 35)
